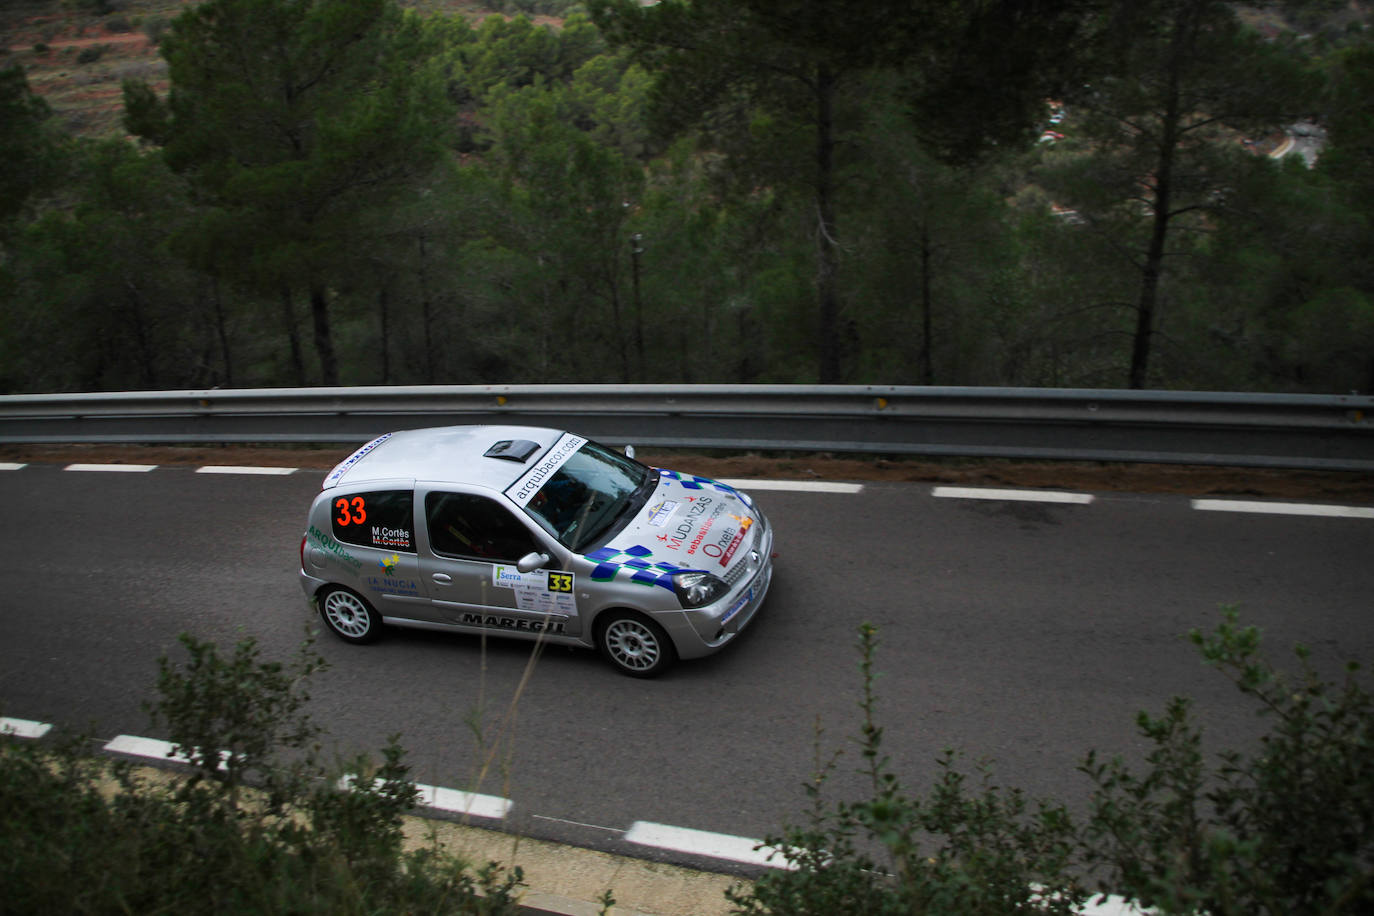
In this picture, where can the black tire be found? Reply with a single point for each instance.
(348, 616)
(634, 644)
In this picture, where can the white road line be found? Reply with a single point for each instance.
(1242, 505)
(487, 806)
(125, 468)
(702, 843)
(144, 747)
(799, 486)
(229, 469)
(23, 728)
(1030, 496)
(471, 803)
(1112, 905)
(152, 748)
(10, 466)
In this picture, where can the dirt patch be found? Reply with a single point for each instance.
(1184, 480)
(77, 59)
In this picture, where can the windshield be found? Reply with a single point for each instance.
(590, 497)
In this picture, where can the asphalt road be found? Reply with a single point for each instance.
(1026, 633)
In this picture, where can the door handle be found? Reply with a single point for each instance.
(442, 578)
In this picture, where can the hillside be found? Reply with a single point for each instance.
(77, 53)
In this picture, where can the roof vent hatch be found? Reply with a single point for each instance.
(517, 450)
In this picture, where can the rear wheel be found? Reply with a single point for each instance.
(348, 616)
(634, 644)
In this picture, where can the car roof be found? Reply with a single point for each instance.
(454, 454)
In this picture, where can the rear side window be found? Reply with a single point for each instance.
(384, 518)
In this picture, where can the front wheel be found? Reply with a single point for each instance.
(635, 645)
(348, 616)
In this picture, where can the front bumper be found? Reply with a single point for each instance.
(710, 628)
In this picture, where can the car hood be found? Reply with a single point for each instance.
(689, 522)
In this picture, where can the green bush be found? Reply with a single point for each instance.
(965, 849)
(260, 828)
(1286, 830)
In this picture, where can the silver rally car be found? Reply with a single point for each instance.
(537, 534)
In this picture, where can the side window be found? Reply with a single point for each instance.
(475, 527)
(382, 519)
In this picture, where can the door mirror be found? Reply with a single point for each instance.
(531, 561)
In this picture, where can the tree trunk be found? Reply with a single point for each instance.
(147, 367)
(385, 330)
(927, 303)
(288, 312)
(1153, 268)
(222, 333)
(426, 314)
(827, 248)
(324, 343)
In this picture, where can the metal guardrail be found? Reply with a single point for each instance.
(1329, 432)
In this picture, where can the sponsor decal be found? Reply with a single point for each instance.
(391, 537)
(692, 482)
(612, 561)
(519, 624)
(342, 467)
(659, 515)
(351, 511)
(549, 591)
(738, 606)
(692, 524)
(389, 585)
(333, 548)
(388, 564)
(733, 545)
(523, 490)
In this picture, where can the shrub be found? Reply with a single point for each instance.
(1288, 829)
(260, 828)
(964, 848)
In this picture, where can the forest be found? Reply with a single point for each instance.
(1049, 193)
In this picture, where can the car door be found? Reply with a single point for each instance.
(378, 524)
(473, 542)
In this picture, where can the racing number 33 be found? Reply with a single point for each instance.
(560, 582)
(351, 512)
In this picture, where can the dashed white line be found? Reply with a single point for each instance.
(1267, 508)
(118, 468)
(703, 843)
(155, 749)
(1112, 905)
(10, 466)
(23, 728)
(492, 807)
(797, 486)
(144, 747)
(1030, 496)
(488, 806)
(230, 469)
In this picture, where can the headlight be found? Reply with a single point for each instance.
(695, 589)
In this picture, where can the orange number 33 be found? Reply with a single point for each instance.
(354, 513)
